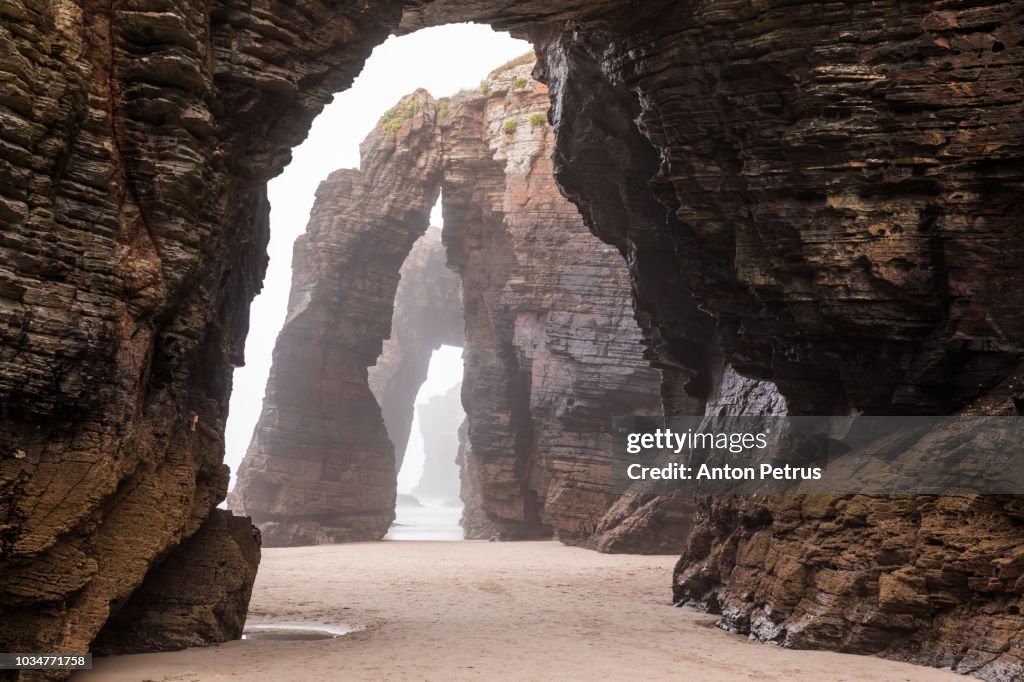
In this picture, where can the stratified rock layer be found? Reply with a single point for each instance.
(474, 521)
(198, 595)
(835, 202)
(135, 143)
(428, 315)
(320, 467)
(552, 349)
(842, 185)
(441, 417)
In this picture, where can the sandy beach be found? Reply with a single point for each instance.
(486, 611)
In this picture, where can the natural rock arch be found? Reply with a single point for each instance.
(136, 149)
(428, 315)
(552, 350)
(321, 467)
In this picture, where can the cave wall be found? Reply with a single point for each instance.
(837, 200)
(842, 185)
(135, 149)
(428, 315)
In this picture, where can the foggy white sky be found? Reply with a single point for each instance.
(443, 60)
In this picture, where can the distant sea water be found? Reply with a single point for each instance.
(432, 520)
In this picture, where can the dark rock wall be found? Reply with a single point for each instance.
(921, 578)
(843, 183)
(196, 596)
(133, 217)
(136, 143)
(606, 166)
(838, 191)
(320, 467)
(428, 315)
(837, 198)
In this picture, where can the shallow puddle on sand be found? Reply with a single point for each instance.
(294, 632)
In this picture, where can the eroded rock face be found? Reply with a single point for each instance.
(428, 315)
(783, 139)
(320, 467)
(441, 417)
(552, 349)
(196, 596)
(834, 199)
(920, 578)
(137, 141)
(837, 183)
(925, 579)
(474, 521)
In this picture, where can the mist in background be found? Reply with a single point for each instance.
(445, 371)
(443, 60)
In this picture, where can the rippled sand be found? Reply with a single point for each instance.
(487, 611)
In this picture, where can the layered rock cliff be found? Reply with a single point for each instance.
(198, 595)
(135, 148)
(824, 194)
(840, 203)
(136, 144)
(428, 315)
(552, 349)
(835, 205)
(320, 467)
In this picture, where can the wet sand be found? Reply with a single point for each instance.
(486, 611)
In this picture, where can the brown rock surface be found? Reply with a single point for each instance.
(926, 579)
(197, 595)
(135, 142)
(320, 467)
(834, 206)
(552, 349)
(428, 315)
(919, 578)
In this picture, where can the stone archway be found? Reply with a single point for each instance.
(428, 315)
(545, 307)
(321, 467)
(836, 196)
